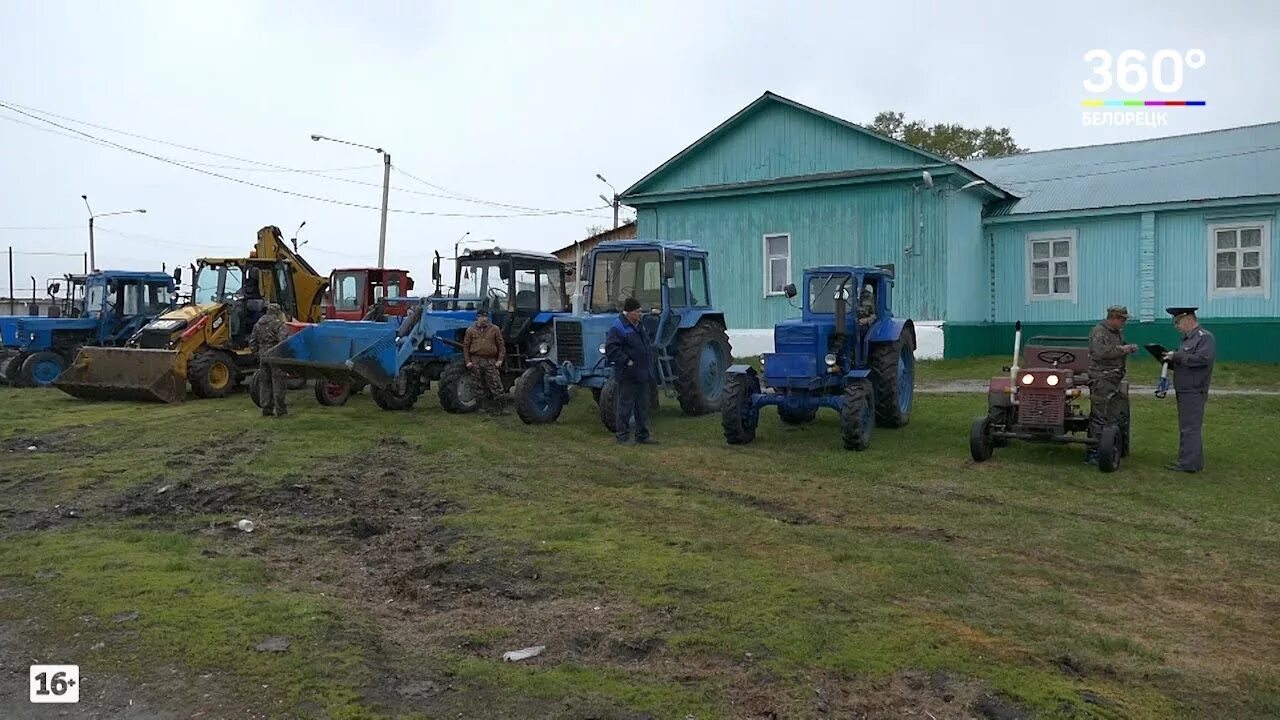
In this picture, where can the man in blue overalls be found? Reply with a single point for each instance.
(627, 348)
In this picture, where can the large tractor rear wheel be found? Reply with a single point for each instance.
(738, 414)
(457, 389)
(212, 374)
(702, 356)
(537, 402)
(893, 368)
(857, 415)
(41, 369)
(332, 394)
(400, 395)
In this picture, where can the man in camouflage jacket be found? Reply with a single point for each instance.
(269, 331)
(1107, 353)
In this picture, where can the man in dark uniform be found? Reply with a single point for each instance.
(627, 349)
(1192, 365)
(269, 331)
(484, 351)
(1107, 353)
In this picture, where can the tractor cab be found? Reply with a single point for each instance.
(669, 279)
(353, 292)
(515, 286)
(244, 286)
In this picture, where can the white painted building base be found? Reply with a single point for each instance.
(750, 343)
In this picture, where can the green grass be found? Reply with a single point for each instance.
(1158, 589)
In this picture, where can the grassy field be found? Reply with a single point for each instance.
(402, 554)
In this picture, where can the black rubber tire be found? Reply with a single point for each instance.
(454, 382)
(27, 373)
(884, 374)
(332, 394)
(9, 370)
(608, 405)
(690, 343)
(738, 416)
(400, 395)
(790, 418)
(1125, 429)
(255, 381)
(1109, 442)
(981, 444)
(525, 389)
(202, 365)
(858, 398)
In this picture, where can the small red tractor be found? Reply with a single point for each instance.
(1039, 401)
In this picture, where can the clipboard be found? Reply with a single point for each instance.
(1157, 351)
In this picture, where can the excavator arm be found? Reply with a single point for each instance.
(308, 285)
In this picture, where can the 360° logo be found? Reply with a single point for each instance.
(1132, 72)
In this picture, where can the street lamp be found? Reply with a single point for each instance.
(386, 191)
(92, 261)
(613, 202)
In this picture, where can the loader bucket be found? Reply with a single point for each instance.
(101, 373)
(328, 350)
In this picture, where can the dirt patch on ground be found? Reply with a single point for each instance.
(915, 693)
(67, 441)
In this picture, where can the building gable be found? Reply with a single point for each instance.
(774, 138)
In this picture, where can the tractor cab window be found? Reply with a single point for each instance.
(823, 289)
(624, 274)
(158, 298)
(284, 289)
(479, 279)
(550, 290)
(699, 294)
(233, 281)
(97, 295)
(678, 293)
(392, 287)
(526, 290)
(133, 295)
(346, 291)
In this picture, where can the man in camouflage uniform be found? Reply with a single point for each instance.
(1107, 353)
(268, 332)
(484, 351)
(866, 306)
(1192, 363)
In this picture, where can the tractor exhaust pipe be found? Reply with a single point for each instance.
(1013, 367)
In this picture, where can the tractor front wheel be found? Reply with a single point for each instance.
(1109, 449)
(538, 402)
(608, 405)
(981, 444)
(332, 394)
(41, 369)
(400, 395)
(255, 387)
(893, 369)
(457, 389)
(9, 370)
(857, 415)
(702, 356)
(212, 374)
(739, 415)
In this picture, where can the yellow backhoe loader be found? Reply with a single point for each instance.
(204, 343)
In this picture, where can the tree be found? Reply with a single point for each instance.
(949, 140)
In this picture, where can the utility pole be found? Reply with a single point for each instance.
(614, 202)
(11, 306)
(92, 261)
(91, 258)
(386, 191)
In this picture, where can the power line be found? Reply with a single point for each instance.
(20, 228)
(269, 167)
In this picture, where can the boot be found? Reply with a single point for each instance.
(1091, 456)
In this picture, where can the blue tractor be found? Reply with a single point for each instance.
(857, 359)
(691, 347)
(116, 304)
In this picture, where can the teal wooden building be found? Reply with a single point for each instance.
(1050, 238)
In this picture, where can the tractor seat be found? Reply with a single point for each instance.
(1061, 353)
(527, 300)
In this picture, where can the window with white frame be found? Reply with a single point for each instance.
(1239, 258)
(1051, 265)
(777, 262)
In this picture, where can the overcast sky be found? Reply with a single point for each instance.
(518, 103)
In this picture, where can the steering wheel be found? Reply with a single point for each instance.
(495, 292)
(1056, 357)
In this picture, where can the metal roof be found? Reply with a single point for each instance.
(495, 252)
(650, 243)
(1232, 163)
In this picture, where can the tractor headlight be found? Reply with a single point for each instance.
(1052, 380)
(426, 345)
(830, 360)
(544, 348)
(1028, 379)
(602, 349)
(33, 337)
